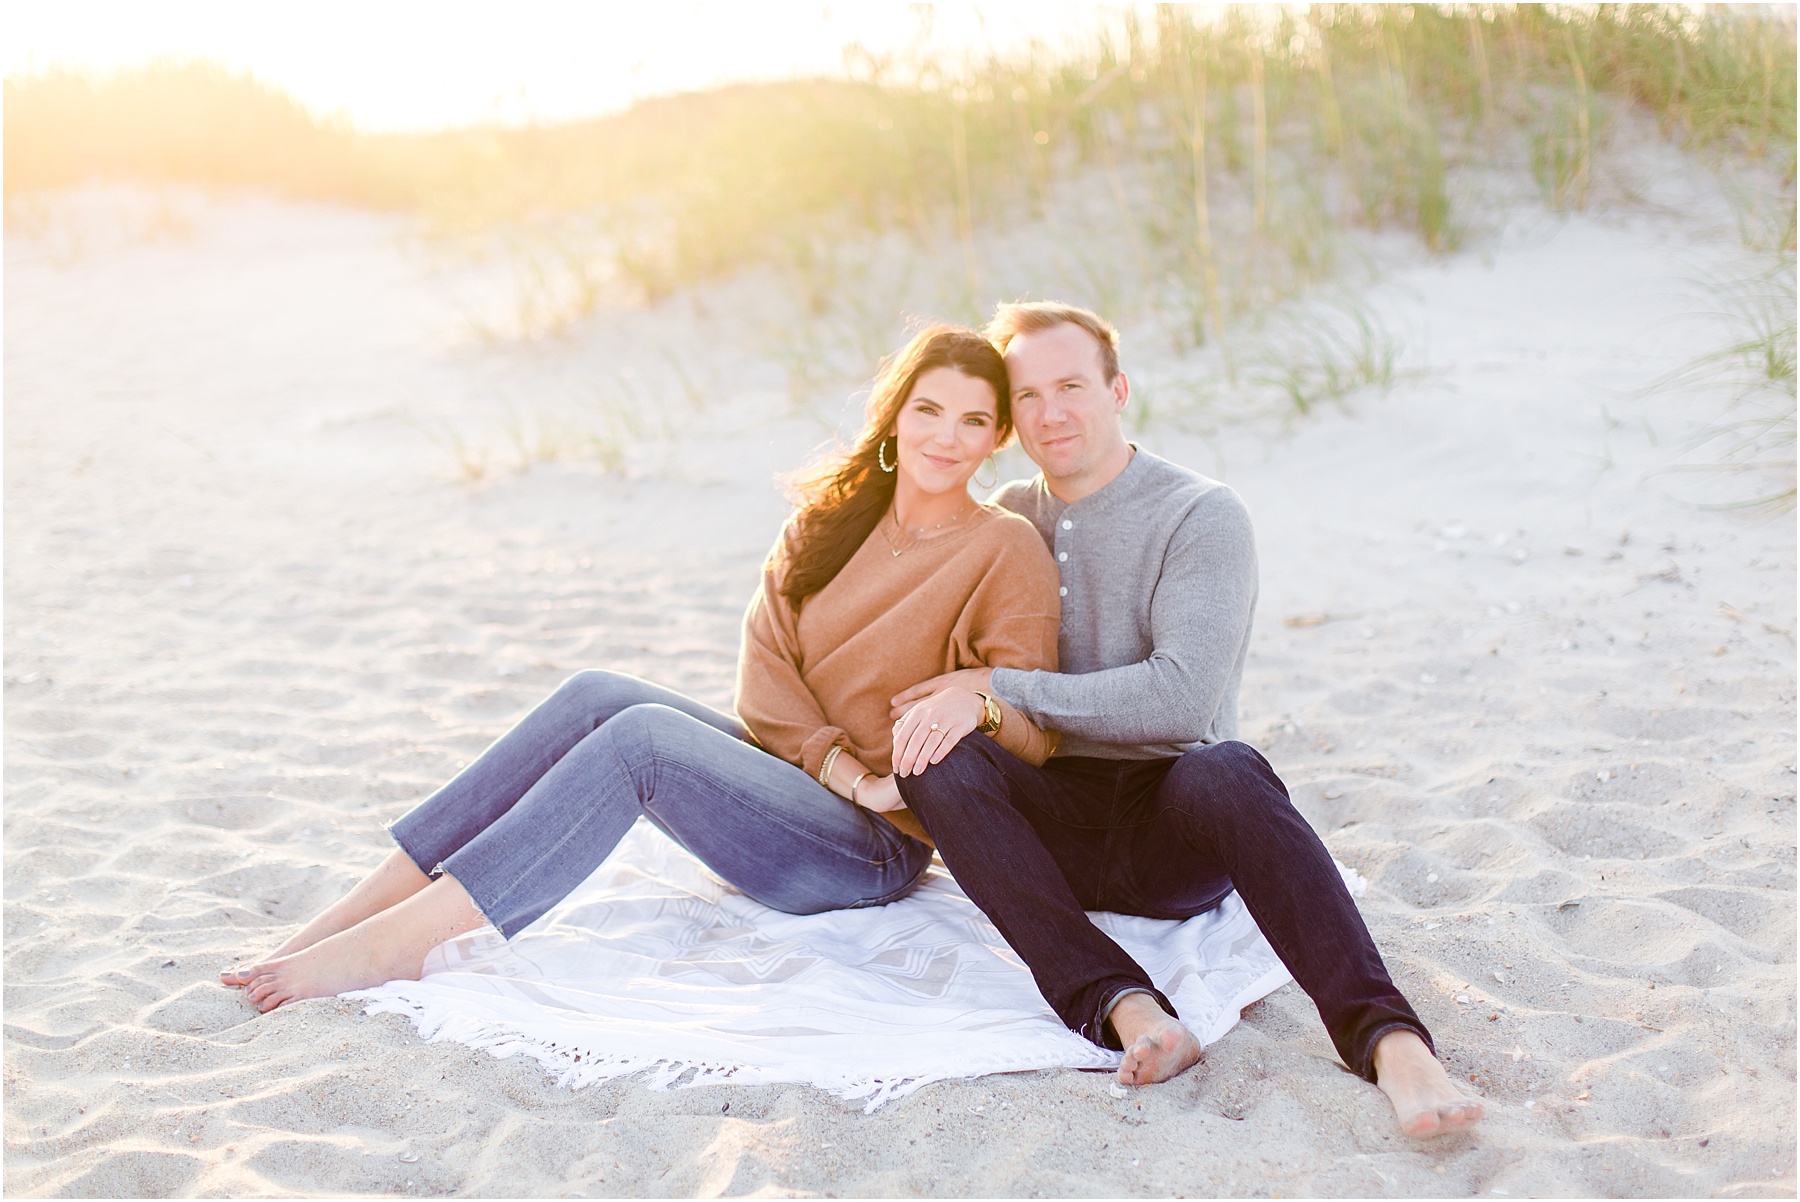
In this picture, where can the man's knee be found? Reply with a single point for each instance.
(1228, 776)
(970, 775)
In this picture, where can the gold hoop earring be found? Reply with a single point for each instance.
(881, 455)
(995, 464)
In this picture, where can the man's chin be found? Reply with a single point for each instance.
(1057, 467)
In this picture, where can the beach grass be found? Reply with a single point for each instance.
(1373, 103)
(1201, 169)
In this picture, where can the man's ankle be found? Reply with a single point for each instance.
(1133, 1013)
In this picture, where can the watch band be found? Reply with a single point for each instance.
(991, 715)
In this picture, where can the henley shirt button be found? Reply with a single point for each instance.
(1068, 525)
(1063, 592)
(1062, 556)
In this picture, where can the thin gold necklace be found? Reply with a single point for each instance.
(918, 535)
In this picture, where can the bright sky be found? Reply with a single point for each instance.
(413, 64)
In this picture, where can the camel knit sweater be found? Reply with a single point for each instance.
(984, 593)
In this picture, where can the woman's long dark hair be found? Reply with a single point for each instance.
(840, 497)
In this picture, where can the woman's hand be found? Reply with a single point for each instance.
(981, 680)
(925, 734)
(879, 793)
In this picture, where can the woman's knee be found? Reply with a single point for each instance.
(639, 726)
(598, 684)
(598, 694)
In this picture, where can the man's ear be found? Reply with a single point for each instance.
(1121, 390)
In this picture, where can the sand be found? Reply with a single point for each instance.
(255, 607)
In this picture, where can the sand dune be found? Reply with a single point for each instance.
(1544, 705)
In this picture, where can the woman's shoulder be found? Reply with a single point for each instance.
(1003, 526)
(1009, 538)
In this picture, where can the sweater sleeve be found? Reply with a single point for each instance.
(1013, 624)
(1200, 612)
(773, 701)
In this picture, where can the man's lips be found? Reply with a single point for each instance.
(1058, 441)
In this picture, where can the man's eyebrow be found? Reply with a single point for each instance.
(1074, 379)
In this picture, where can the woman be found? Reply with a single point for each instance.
(888, 573)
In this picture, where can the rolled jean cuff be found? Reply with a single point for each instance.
(1365, 1066)
(437, 870)
(431, 866)
(1101, 1031)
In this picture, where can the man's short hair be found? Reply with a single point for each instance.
(1011, 320)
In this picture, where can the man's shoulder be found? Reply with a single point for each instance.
(1190, 495)
(1022, 497)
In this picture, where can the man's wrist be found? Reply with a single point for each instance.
(1007, 684)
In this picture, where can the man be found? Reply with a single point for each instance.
(1150, 806)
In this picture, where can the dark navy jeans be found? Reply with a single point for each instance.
(1169, 838)
(539, 810)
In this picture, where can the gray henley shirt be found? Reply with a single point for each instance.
(1158, 591)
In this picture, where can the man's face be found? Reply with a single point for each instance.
(1066, 414)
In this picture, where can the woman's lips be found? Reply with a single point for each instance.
(938, 461)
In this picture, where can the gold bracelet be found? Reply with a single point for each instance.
(859, 780)
(825, 766)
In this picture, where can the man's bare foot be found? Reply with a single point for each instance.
(396, 879)
(1157, 1047)
(387, 946)
(1425, 1100)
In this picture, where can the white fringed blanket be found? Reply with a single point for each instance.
(652, 964)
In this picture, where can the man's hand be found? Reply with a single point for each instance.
(926, 732)
(977, 680)
(879, 793)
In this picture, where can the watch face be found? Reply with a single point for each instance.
(990, 715)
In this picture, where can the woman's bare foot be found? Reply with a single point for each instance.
(1156, 1046)
(388, 946)
(396, 879)
(1425, 1100)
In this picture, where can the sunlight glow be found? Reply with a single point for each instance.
(416, 65)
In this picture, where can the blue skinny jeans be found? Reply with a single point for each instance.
(537, 812)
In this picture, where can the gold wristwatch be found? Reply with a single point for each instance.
(991, 717)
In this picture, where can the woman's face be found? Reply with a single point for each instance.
(947, 426)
